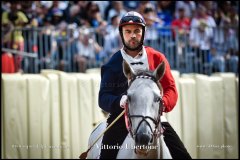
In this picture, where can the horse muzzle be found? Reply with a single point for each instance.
(143, 139)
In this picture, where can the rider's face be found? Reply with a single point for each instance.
(132, 35)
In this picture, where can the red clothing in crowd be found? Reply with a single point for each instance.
(181, 24)
(7, 63)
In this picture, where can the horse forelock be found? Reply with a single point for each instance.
(146, 75)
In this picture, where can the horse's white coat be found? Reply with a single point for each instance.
(141, 106)
(127, 147)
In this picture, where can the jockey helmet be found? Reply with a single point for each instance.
(132, 18)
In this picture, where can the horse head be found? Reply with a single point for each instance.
(144, 105)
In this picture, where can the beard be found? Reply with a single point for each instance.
(133, 44)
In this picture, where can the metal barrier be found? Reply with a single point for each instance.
(31, 55)
(59, 48)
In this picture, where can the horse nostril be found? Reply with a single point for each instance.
(142, 139)
(151, 141)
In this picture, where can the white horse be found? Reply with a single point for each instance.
(145, 139)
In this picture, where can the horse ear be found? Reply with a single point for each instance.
(127, 70)
(159, 71)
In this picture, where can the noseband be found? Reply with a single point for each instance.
(156, 132)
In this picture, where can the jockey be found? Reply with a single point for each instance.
(114, 85)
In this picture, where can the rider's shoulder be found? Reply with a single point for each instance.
(153, 52)
(115, 62)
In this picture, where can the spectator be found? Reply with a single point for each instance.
(116, 10)
(93, 14)
(182, 23)
(87, 49)
(74, 15)
(232, 61)
(62, 37)
(96, 21)
(7, 29)
(55, 13)
(188, 6)
(233, 50)
(217, 61)
(15, 38)
(112, 41)
(142, 6)
(181, 27)
(234, 16)
(219, 48)
(82, 14)
(47, 4)
(225, 35)
(5, 6)
(165, 11)
(102, 7)
(210, 6)
(201, 34)
(220, 31)
(47, 43)
(131, 5)
(57, 16)
(7, 58)
(7, 63)
(41, 12)
(151, 35)
(62, 4)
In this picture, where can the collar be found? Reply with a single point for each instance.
(139, 55)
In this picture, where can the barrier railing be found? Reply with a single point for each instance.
(186, 52)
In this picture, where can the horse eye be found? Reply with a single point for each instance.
(157, 99)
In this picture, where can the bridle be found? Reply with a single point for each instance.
(156, 132)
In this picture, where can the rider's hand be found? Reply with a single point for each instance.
(123, 101)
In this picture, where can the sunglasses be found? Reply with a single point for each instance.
(134, 19)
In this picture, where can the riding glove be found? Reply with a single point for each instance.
(123, 101)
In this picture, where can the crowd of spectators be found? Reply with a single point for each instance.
(206, 24)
